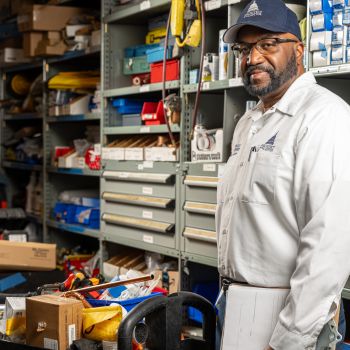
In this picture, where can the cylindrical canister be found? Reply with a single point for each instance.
(223, 56)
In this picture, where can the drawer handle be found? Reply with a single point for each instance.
(200, 208)
(201, 181)
(200, 235)
(156, 202)
(138, 177)
(150, 225)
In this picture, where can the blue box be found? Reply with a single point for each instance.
(127, 304)
(322, 22)
(157, 54)
(128, 106)
(319, 6)
(87, 216)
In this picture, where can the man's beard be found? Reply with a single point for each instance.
(276, 79)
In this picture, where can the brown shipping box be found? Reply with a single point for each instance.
(53, 322)
(46, 17)
(31, 41)
(27, 256)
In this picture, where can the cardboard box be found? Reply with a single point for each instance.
(53, 322)
(46, 17)
(95, 38)
(31, 42)
(79, 105)
(27, 256)
(51, 44)
(18, 6)
(169, 280)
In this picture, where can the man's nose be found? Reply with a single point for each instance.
(254, 57)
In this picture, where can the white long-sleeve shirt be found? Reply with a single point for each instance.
(283, 213)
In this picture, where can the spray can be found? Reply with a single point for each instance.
(210, 67)
(223, 56)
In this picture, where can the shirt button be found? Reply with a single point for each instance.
(241, 164)
(224, 232)
(223, 267)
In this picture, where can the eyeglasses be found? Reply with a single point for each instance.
(264, 46)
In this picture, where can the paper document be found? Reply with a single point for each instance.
(251, 316)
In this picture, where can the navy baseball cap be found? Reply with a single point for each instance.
(272, 15)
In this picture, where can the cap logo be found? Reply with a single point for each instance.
(253, 10)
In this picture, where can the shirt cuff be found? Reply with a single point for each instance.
(283, 339)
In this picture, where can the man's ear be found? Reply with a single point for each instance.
(299, 52)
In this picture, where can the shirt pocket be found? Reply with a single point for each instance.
(260, 184)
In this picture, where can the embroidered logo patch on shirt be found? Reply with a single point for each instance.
(269, 145)
(236, 149)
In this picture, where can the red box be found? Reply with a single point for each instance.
(172, 71)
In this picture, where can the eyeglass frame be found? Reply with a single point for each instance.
(252, 45)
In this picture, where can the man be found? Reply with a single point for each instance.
(282, 215)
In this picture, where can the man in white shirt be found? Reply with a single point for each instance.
(282, 215)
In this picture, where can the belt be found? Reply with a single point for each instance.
(225, 282)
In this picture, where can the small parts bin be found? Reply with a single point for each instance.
(172, 71)
(153, 113)
(163, 323)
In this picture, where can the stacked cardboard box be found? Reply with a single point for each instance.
(42, 26)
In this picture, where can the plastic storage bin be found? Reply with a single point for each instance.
(128, 106)
(87, 216)
(138, 50)
(128, 304)
(64, 212)
(153, 113)
(172, 71)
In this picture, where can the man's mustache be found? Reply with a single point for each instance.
(260, 67)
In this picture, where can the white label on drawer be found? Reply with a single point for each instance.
(147, 87)
(139, 166)
(212, 5)
(221, 170)
(235, 82)
(146, 214)
(145, 129)
(148, 239)
(124, 175)
(145, 5)
(51, 344)
(148, 164)
(71, 334)
(206, 85)
(209, 167)
(147, 190)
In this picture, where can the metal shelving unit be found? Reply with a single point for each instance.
(74, 171)
(78, 229)
(73, 118)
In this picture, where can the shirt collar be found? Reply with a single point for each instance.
(286, 105)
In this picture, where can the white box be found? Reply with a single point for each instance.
(134, 153)
(71, 29)
(113, 153)
(79, 163)
(79, 105)
(67, 161)
(338, 54)
(163, 154)
(10, 55)
(212, 140)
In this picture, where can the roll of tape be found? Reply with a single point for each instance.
(136, 81)
(321, 58)
(318, 22)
